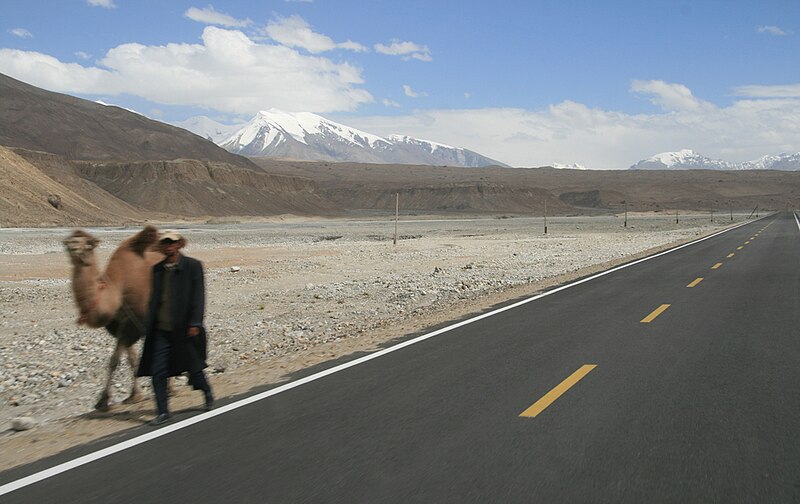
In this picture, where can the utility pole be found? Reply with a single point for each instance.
(545, 216)
(712, 212)
(676, 216)
(626, 213)
(730, 208)
(396, 215)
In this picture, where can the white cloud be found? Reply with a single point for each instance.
(390, 103)
(784, 91)
(212, 17)
(670, 96)
(406, 50)
(570, 132)
(47, 72)
(83, 55)
(411, 93)
(21, 33)
(352, 46)
(467, 96)
(294, 31)
(108, 4)
(227, 72)
(772, 30)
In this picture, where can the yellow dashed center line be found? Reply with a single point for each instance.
(545, 401)
(557, 392)
(658, 311)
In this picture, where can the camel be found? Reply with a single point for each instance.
(117, 298)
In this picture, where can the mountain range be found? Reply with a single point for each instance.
(688, 159)
(65, 161)
(306, 136)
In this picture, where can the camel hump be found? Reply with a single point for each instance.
(142, 241)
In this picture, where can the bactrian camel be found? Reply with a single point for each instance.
(116, 298)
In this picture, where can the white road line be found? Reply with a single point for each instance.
(163, 431)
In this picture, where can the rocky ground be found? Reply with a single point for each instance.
(283, 296)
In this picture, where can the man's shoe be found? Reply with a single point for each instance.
(209, 401)
(160, 419)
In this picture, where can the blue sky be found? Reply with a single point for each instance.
(529, 83)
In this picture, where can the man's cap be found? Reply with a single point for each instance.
(169, 234)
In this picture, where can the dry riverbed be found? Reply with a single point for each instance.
(283, 296)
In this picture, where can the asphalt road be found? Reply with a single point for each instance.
(596, 393)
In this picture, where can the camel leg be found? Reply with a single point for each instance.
(102, 403)
(136, 391)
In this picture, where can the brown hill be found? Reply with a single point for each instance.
(28, 197)
(192, 188)
(524, 190)
(164, 190)
(35, 119)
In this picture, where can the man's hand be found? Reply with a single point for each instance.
(193, 331)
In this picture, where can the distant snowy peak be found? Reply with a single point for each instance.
(208, 128)
(427, 152)
(302, 125)
(307, 136)
(685, 159)
(573, 166)
(689, 160)
(275, 133)
(427, 144)
(784, 161)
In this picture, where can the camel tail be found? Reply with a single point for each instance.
(142, 241)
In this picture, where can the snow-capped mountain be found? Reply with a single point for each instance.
(208, 128)
(687, 159)
(783, 161)
(307, 136)
(573, 166)
(436, 153)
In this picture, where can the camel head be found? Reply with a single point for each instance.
(80, 246)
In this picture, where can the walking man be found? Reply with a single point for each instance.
(175, 341)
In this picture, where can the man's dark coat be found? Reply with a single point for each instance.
(188, 306)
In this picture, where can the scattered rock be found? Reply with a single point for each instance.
(55, 201)
(23, 423)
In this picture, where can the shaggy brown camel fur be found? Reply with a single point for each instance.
(116, 298)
